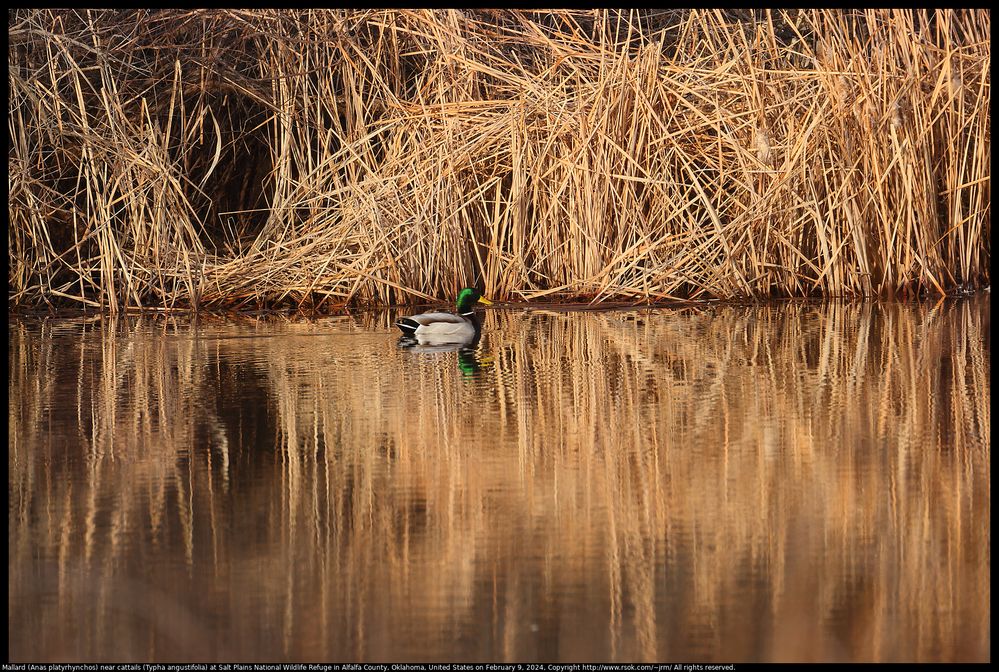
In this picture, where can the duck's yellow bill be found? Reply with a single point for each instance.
(484, 300)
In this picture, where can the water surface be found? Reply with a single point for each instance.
(791, 482)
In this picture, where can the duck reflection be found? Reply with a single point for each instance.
(470, 360)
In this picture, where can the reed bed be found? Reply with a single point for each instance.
(226, 158)
(805, 482)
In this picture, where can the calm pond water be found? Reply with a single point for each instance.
(789, 482)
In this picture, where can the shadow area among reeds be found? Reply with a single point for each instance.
(317, 158)
(802, 482)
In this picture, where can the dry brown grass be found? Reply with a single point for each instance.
(257, 157)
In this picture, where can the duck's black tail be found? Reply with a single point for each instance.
(407, 325)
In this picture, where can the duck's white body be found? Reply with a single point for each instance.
(440, 328)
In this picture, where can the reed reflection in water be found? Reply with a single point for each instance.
(793, 482)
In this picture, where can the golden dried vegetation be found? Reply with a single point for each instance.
(225, 158)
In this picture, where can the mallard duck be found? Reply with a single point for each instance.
(440, 328)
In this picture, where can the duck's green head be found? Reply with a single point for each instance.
(468, 297)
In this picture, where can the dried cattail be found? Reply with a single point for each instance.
(761, 140)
